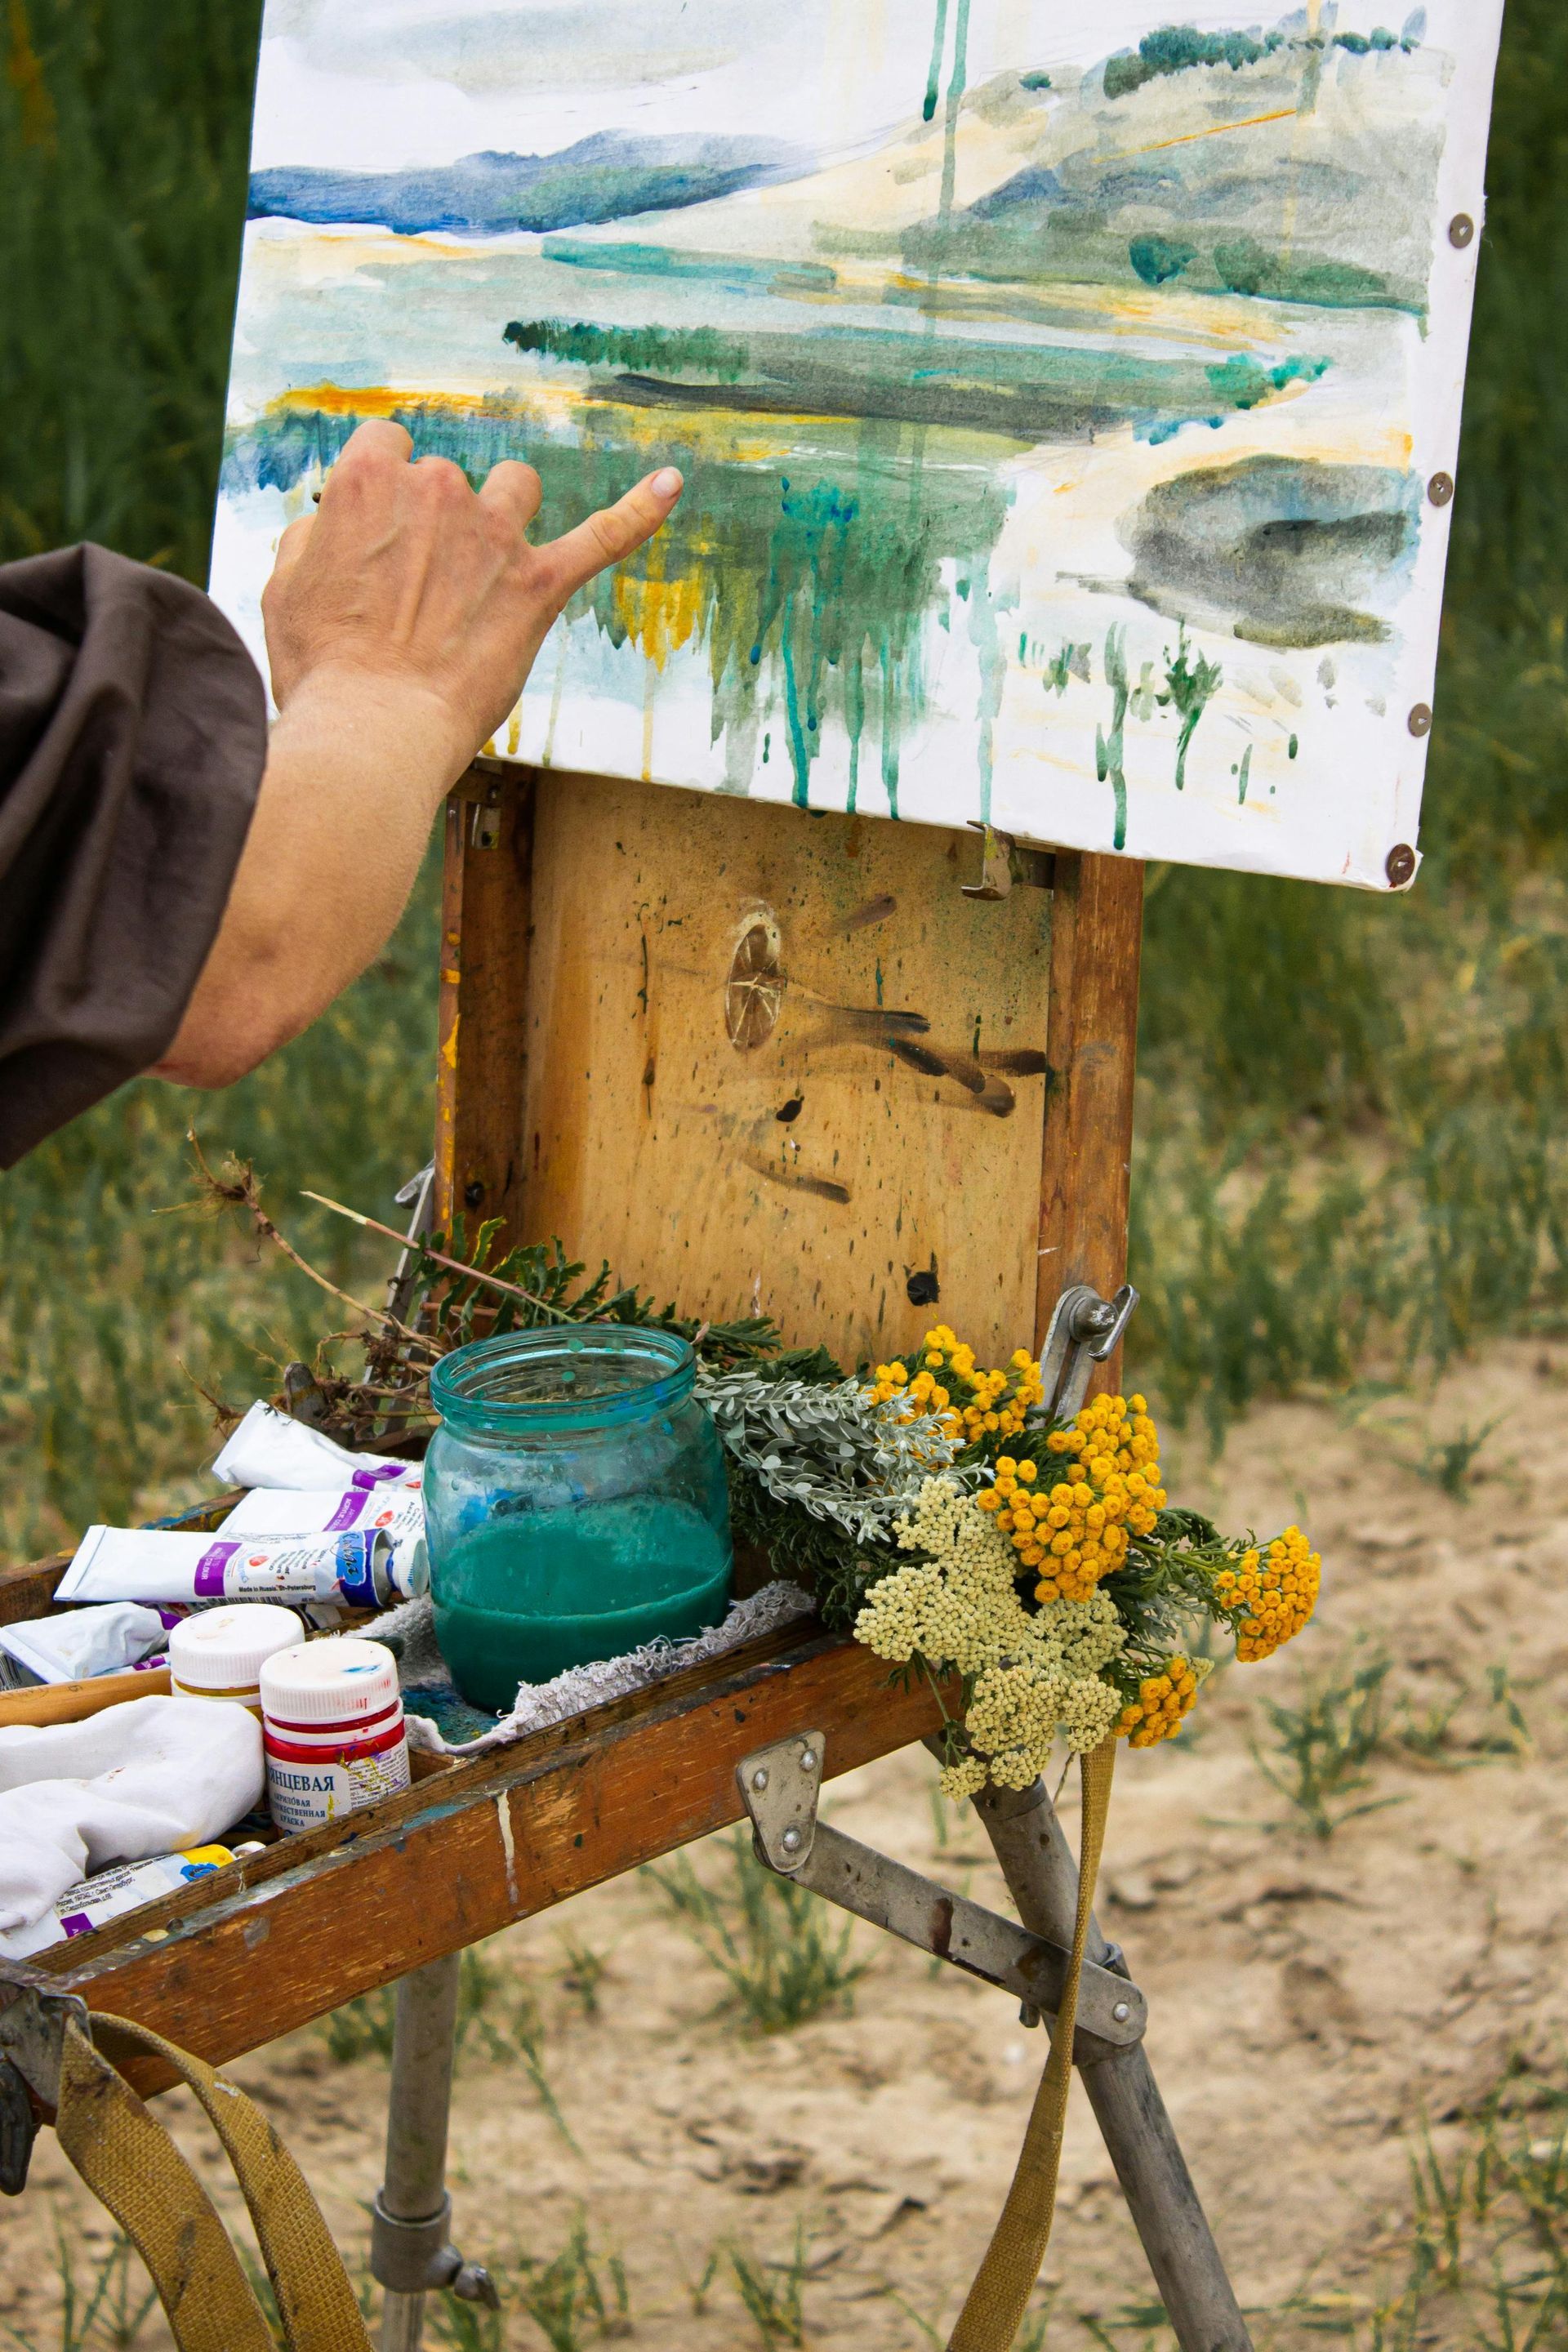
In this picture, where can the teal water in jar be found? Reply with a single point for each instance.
(575, 1504)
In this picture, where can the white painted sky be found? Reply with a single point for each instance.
(379, 84)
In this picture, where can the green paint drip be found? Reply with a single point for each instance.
(1109, 749)
(1295, 745)
(986, 638)
(934, 78)
(1244, 775)
(1190, 687)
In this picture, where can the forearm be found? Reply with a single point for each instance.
(357, 768)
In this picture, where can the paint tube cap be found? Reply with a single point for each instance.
(338, 1680)
(225, 1648)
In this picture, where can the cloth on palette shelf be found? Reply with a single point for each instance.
(442, 1722)
(151, 1777)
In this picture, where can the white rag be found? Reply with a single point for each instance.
(152, 1776)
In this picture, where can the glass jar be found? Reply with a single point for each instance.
(575, 1504)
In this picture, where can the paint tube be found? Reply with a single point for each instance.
(398, 1511)
(153, 1564)
(269, 1449)
(81, 1642)
(92, 1901)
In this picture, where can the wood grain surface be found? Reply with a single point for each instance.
(778, 1061)
(262, 1948)
(481, 1022)
(1086, 1174)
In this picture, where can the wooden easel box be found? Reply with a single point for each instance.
(763, 1060)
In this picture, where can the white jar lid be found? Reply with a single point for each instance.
(335, 1680)
(225, 1648)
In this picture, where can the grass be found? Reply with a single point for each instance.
(774, 2293)
(363, 2028)
(1345, 1715)
(107, 2313)
(1478, 2261)
(768, 1939)
(1352, 1147)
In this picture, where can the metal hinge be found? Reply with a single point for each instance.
(779, 1789)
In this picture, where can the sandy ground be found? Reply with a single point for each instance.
(1310, 1998)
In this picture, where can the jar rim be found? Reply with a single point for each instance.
(470, 1387)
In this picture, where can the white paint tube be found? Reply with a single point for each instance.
(92, 1901)
(398, 1511)
(153, 1564)
(270, 1449)
(81, 1642)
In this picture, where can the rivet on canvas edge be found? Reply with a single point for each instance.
(1440, 490)
(1461, 231)
(1420, 721)
(1400, 865)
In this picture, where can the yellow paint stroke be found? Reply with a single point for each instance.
(514, 732)
(649, 681)
(1215, 130)
(450, 1050)
(659, 616)
(547, 757)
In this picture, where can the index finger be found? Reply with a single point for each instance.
(612, 534)
(378, 437)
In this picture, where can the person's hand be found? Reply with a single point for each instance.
(405, 583)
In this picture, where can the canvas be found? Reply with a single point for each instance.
(1068, 396)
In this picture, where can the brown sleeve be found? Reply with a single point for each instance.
(132, 738)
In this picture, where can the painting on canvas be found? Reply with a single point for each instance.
(1067, 396)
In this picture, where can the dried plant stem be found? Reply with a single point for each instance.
(241, 1193)
(436, 1257)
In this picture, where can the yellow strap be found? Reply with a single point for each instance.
(994, 2306)
(118, 2147)
(130, 2164)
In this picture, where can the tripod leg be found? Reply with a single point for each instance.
(1042, 1878)
(413, 2209)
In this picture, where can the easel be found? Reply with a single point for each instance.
(856, 1073)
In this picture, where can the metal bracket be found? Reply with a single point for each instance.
(418, 2257)
(1003, 863)
(32, 2032)
(1085, 1329)
(779, 1789)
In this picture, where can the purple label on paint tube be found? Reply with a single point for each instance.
(141, 1665)
(210, 1568)
(379, 1478)
(348, 1509)
(77, 1924)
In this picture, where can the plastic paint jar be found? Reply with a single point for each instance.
(220, 1652)
(332, 1724)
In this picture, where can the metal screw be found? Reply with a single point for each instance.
(807, 1759)
(1122, 2012)
(790, 1840)
(760, 1779)
(1440, 490)
(1421, 720)
(1399, 865)
(1461, 230)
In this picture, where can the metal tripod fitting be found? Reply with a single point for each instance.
(411, 2252)
(1042, 1878)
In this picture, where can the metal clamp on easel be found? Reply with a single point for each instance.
(1085, 1330)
